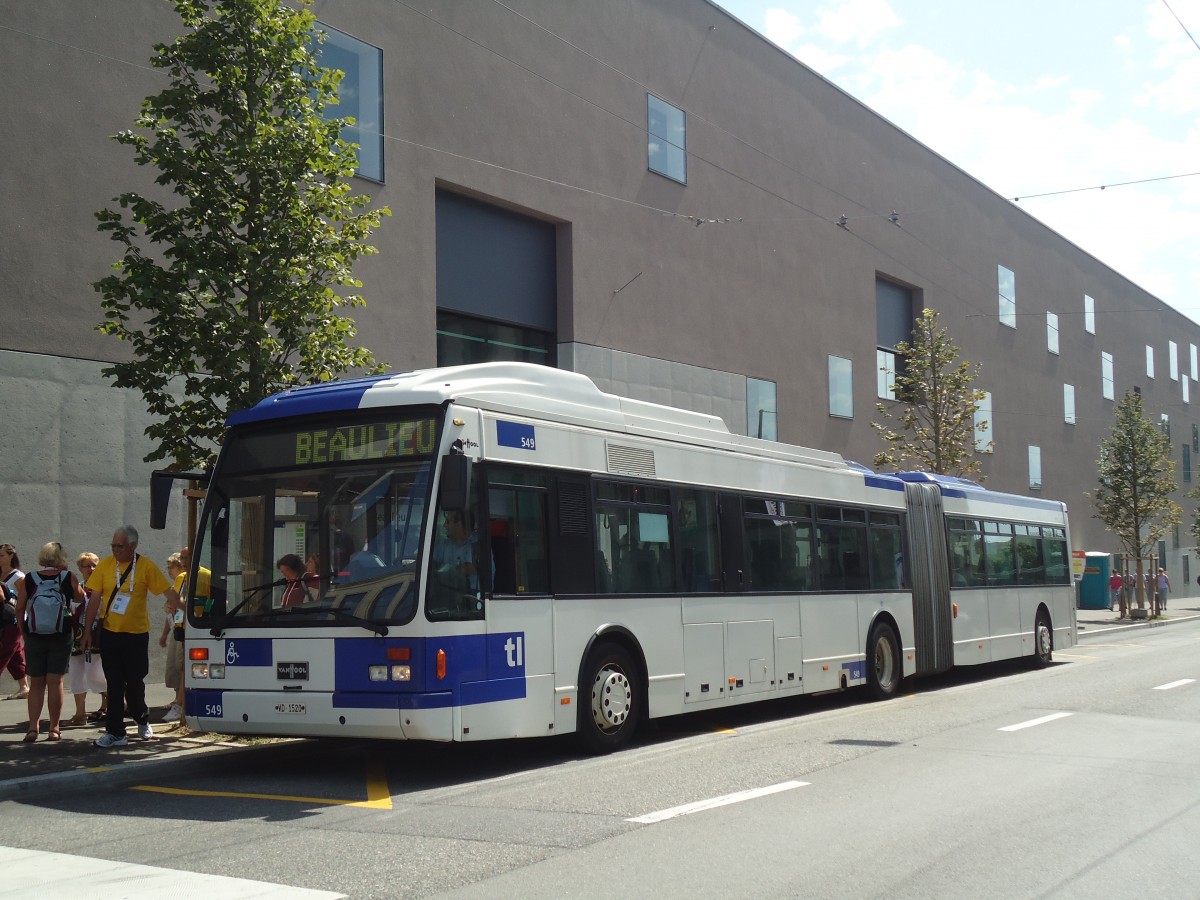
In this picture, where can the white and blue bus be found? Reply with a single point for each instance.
(503, 550)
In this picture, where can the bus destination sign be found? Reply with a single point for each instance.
(331, 445)
(355, 443)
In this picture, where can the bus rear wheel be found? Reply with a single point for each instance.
(1043, 641)
(883, 662)
(608, 718)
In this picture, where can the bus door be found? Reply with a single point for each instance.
(928, 564)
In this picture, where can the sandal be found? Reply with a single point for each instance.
(76, 720)
(30, 737)
(54, 735)
(98, 716)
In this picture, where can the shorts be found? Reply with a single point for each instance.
(174, 667)
(47, 654)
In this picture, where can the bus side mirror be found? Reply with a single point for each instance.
(454, 489)
(160, 492)
(160, 498)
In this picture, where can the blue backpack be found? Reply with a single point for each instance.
(48, 606)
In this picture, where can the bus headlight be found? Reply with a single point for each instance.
(199, 670)
(216, 670)
(401, 673)
(377, 673)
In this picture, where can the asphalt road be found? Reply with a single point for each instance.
(1081, 780)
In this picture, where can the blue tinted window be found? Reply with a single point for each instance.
(360, 96)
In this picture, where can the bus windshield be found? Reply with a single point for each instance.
(312, 528)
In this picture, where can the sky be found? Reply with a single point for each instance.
(1036, 97)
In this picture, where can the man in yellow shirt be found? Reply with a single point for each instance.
(119, 588)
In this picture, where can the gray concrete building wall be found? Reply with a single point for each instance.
(73, 472)
(743, 272)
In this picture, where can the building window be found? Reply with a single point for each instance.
(983, 424)
(1174, 538)
(1149, 361)
(885, 364)
(1173, 359)
(1187, 463)
(466, 339)
(360, 95)
(1052, 332)
(1089, 314)
(1069, 404)
(1008, 296)
(761, 409)
(1187, 391)
(1196, 438)
(1035, 467)
(1106, 375)
(1164, 425)
(841, 387)
(893, 325)
(1195, 362)
(667, 143)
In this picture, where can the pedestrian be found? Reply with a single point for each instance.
(1162, 586)
(12, 644)
(87, 672)
(44, 613)
(1115, 585)
(172, 639)
(1130, 590)
(121, 584)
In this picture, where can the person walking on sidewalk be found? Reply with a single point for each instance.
(47, 635)
(1162, 587)
(87, 672)
(12, 646)
(1115, 585)
(120, 586)
(172, 641)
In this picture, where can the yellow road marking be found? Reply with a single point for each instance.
(378, 795)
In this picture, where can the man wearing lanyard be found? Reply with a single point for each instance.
(118, 588)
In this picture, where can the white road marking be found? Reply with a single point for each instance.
(1042, 721)
(1174, 684)
(34, 873)
(701, 805)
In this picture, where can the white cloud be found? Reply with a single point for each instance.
(782, 27)
(860, 21)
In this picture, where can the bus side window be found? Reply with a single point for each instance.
(518, 540)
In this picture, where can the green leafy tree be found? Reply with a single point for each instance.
(1137, 479)
(228, 286)
(936, 421)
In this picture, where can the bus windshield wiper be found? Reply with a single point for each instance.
(340, 614)
(250, 593)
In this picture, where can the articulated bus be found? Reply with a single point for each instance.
(503, 550)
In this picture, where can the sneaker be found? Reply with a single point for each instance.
(107, 740)
(145, 732)
(174, 713)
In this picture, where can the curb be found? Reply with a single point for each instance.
(118, 774)
(1101, 628)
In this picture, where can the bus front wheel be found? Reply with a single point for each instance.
(610, 699)
(883, 662)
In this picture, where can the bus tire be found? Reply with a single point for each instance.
(610, 696)
(1043, 641)
(884, 668)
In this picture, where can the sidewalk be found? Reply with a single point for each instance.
(1094, 620)
(74, 764)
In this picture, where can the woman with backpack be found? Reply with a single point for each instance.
(12, 650)
(44, 601)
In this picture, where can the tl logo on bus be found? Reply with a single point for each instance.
(514, 652)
